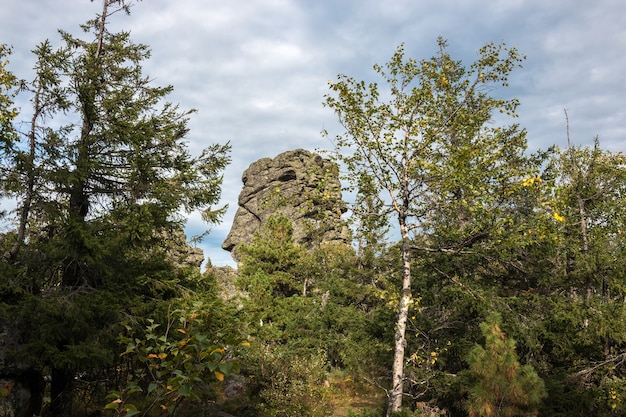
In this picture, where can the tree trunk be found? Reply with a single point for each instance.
(37, 387)
(583, 224)
(30, 173)
(60, 394)
(397, 387)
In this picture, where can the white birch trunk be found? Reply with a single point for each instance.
(397, 387)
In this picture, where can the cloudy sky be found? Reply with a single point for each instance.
(257, 70)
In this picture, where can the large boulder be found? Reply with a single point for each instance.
(298, 184)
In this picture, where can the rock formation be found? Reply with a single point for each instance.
(181, 253)
(298, 184)
(225, 277)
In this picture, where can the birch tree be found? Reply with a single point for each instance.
(424, 141)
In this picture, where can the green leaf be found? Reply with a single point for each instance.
(152, 387)
(185, 390)
(113, 405)
(225, 367)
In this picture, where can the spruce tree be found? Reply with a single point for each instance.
(102, 175)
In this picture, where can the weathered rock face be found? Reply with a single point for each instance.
(181, 253)
(225, 277)
(298, 184)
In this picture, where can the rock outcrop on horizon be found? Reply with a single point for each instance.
(298, 184)
(181, 253)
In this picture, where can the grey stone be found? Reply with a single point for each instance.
(298, 184)
(225, 276)
(181, 253)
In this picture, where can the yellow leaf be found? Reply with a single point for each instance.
(247, 344)
(162, 355)
(219, 375)
(558, 217)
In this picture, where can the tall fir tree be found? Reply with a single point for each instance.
(101, 178)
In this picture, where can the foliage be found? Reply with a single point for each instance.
(588, 185)
(424, 151)
(119, 150)
(585, 293)
(285, 284)
(365, 412)
(286, 384)
(502, 386)
(101, 176)
(174, 361)
(309, 311)
(8, 86)
(269, 263)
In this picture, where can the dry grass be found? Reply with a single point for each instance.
(347, 394)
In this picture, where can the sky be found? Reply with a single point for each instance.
(257, 70)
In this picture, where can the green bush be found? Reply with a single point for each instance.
(288, 384)
(175, 363)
